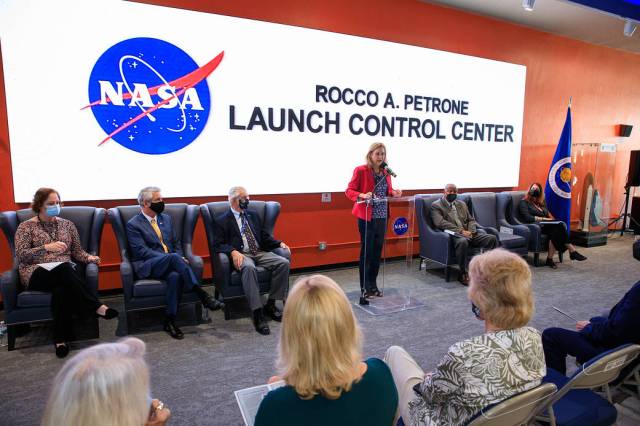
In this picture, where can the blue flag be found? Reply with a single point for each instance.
(558, 189)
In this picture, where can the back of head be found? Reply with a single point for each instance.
(320, 342)
(500, 285)
(106, 384)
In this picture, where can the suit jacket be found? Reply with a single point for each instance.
(145, 245)
(528, 211)
(227, 237)
(362, 182)
(442, 218)
(621, 326)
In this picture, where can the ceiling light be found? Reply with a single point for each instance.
(629, 27)
(528, 5)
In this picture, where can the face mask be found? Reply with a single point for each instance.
(451, 197)
(475, 310)
(54, 210)
(636, 250)
(244, 203)
(534, 192)
(157, 207)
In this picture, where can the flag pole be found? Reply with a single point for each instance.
(570, 99)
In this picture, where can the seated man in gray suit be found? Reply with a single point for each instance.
(453, 215)
(239, 234)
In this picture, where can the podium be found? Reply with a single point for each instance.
(398, 251)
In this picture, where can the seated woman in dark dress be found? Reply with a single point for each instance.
(320, 361)
(532, 208)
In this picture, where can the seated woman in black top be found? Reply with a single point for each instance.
(532, 208)
(320, 361)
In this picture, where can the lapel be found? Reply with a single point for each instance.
(232, 223)
(150, 230)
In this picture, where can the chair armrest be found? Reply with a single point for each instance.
(9, 283)
(282, 252)
(91, 278)
(520, 230)
(489, 230)
(221, 265)
(126, 274)
(195, 262)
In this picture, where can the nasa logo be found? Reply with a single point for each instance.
(150, 96)
(400, 226)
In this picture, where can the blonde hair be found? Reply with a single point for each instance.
(106, 384)
(500, 285)
(372, 148)
(320, 340)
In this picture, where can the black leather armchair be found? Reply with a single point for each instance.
(226, 278)
(144, 294)
(538, 242)
(25, 306)
(485, 210)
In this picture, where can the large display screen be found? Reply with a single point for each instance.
(107, 97)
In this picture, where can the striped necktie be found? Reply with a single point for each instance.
(156, 228)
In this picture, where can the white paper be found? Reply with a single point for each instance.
(505, 230)
(50, 266)
(249, 400)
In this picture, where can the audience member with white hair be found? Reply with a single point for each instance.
(483, 370)
(320, 361)
(107, 385)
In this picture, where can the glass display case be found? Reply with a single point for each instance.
(592, 188)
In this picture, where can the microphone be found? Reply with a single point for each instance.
(386, 168)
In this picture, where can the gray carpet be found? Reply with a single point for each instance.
(196, 377)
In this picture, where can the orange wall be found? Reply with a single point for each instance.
(603, 82)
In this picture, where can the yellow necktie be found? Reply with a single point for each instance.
(156, 228)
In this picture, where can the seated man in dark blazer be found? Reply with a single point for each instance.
(157, 253)
(597, 335)
(449, 214)
(239, 234)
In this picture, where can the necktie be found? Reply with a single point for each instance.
(156, 228)
(248, 234)
(456, 218)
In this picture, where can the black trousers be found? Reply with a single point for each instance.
(68, 296)
(558, 343)
(557, 233)
(462, 245)
(371, 243)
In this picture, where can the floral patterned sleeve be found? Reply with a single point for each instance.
(27, 255)
(77, 252)
(439, 386)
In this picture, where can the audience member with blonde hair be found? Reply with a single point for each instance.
(320, 360)
(483, 370)
(106, 384)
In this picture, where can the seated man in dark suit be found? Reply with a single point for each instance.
(449, 214)
(597, 335)
(157, 253)
(238, 234)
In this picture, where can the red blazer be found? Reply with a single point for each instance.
(363, 182)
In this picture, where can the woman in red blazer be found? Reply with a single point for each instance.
(369, 183)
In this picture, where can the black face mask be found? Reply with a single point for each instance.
(243, 203)
(535, 192)
(157, 207)
(475, 310)
(451, 197)
(636, 250)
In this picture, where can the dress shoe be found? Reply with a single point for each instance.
(463, 278)
(259, 323)
(173, 330)
(212, 304)
(550, 263)
(363, 301)
(272, 311)
(374, 292)
(62, 350)
(109, 314)
(577, 256)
